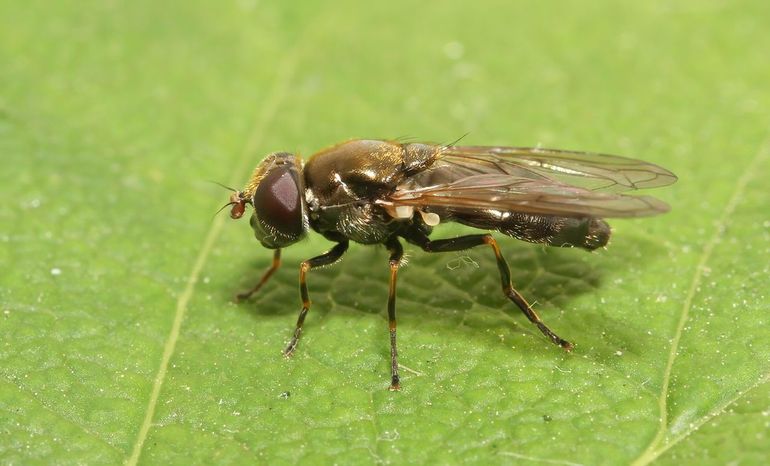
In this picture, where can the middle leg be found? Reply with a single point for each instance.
(396, 254)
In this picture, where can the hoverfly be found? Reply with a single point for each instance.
(378, 192)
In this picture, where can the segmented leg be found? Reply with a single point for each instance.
(470, 241)
(396, 253)
(265, 277)
(327, 258)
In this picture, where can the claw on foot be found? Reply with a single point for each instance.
(395, 383)
(290, 349)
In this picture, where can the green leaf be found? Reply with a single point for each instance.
(120, 339)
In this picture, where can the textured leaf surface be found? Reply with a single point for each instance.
(121, 343)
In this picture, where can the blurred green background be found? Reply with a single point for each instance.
(120, 342)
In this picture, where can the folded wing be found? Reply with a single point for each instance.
(536, 181)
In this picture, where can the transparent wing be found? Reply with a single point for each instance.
(508, 193)
(536, 181)
(596, 172)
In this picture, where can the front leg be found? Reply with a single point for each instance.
(265, 277)
(327, 258)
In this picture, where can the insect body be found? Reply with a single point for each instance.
(379, 192)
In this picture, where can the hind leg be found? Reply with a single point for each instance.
(471, 241)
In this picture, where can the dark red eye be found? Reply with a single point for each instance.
(278, 205)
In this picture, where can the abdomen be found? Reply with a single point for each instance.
(586, 233)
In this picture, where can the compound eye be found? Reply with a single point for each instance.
(277, 203)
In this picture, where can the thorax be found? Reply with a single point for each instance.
(343, 183)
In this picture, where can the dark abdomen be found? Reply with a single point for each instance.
(586, 233)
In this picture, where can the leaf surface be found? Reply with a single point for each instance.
(120, 340)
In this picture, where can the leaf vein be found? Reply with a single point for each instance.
(61, 416)
(650, 452)
(709, 417)
(537, 460)
(283, 77)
